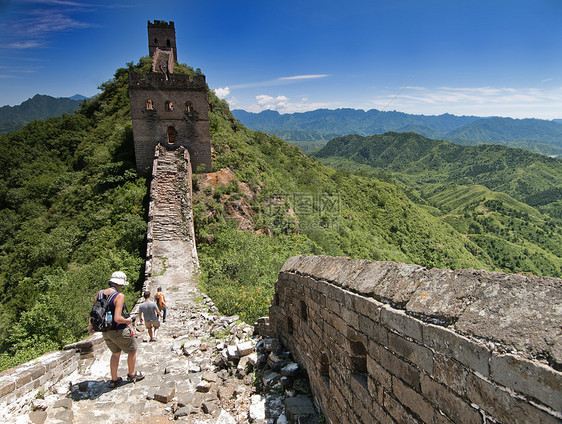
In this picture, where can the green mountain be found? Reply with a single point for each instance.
(508, 129)
(539, 136)
(38, 107)
(73, 209)
(505, 200)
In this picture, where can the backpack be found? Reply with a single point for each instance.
(99, 312)
(159, 302)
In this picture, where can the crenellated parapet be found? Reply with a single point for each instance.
(158, 80)
(161, 24)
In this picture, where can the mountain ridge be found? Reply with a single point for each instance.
(540, 136)
(38, 107)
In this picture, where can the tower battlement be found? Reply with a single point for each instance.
(161, 24)
(160, 81)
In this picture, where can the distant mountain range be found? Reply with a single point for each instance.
(40, 106)
(319, 126)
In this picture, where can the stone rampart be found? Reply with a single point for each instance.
(391, 342)
(21, 384)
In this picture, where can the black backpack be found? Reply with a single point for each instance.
(98, 315)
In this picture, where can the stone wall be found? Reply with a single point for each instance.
(170, 215)
(21, 384)
(389, 342)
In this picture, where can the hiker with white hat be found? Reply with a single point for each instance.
(119, 337)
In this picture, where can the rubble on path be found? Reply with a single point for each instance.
(204, 368)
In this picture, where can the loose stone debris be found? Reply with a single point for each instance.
(193, 375)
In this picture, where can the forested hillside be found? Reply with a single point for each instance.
(38, 107)
(508, 201)
(73, 210)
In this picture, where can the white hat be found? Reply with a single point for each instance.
(119, 277)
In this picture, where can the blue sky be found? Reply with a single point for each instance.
(465, 57)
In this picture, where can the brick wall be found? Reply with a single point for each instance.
(150, 126)
(388, 342)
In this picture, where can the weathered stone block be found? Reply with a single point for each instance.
(413, 401)
(413, 352)
(7, 385)
(402, 323)
(65, 403)
(444, 399)
(530, 378)
(379, 374)
(360, 389)
(245, 348)
(38, 417)
(451, 373)
(521, 311)
(502, 406)
(64, 415)
(165, 393)
(22, 378)
(367, 281)
(448, 343)
(444, 294)
(373, 330)
(299, 406)
(369, 307)
(395, 366)
(397, 411)
(399, 283)
(350, 317)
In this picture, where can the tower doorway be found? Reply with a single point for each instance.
(171, 135)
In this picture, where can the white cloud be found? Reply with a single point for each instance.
(479, 101)
(283, 104)
(24, 45)
(222, 92)
(278, 81)
(301, 77)
(274, 103)
(47, 21)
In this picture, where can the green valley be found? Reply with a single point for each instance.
(507, 201)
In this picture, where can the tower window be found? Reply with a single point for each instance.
(189, 107)
(324, 365)
(149, 105)
(304, 311)
(169, 105)
(171, 135)
(168, 42)
(155, 40)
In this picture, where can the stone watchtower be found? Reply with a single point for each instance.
(162, 35)
(166, 108)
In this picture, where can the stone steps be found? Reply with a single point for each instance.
(170, 194)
